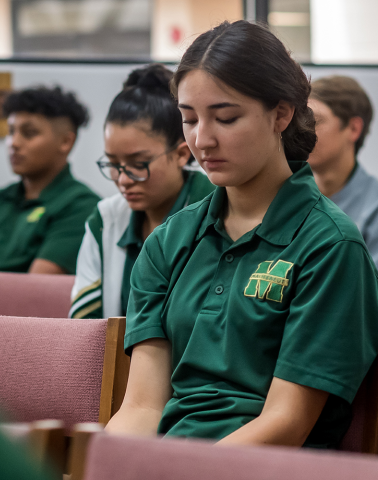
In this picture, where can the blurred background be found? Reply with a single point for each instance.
(90, 46)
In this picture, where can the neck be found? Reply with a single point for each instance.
(248, 203)
(332, 177)
(35, 184)
(154, 217)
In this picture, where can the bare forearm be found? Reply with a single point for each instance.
(134, 420)
(40, 265)
(268, 430)
(289, 414)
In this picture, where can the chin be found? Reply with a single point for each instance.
(137, 206)
(315, 161)
(18, 170)
(222, 180)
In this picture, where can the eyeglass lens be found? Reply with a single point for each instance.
(135, 172)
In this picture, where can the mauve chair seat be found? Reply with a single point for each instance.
(35, 295)
(130, 458)
(51, 368)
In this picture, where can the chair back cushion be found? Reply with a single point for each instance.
(132, 458)
(35, 295)
(353, 440)
(51, 368)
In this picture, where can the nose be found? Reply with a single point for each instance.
(124, 180)
(13, 140)
(205, 137)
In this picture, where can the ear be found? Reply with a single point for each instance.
(67, 141)
(182, 154)
(284, 115)
(355, 127)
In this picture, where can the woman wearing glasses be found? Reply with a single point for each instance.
(145, 155)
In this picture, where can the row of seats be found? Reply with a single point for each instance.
(68, 370)
(75, 371)
(35, 295)
(96, 455)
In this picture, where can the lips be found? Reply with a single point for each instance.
(132, 196)
(212, 163)
(15, 158)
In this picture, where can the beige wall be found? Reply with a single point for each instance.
(176, 23)
(5, 29)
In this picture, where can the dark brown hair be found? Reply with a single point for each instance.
(146, 96)
(347, 99)
(250, 59)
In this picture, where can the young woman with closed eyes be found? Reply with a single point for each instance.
(252, 316)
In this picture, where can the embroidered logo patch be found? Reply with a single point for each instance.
(36, 214)
(269, 281)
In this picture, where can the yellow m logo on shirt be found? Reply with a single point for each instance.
(269, 281)
(36, 214)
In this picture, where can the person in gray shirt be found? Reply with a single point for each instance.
(343, 113)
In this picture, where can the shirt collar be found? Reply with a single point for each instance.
(49, 192)
(133, 232)
(17, 191)
(286, 213)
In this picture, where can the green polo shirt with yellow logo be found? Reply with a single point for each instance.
(295, 298)
(50, 227)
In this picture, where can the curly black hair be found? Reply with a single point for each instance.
(50, 102)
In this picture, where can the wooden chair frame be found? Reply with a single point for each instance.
(44, 438)
(114, 380)
(115, 371)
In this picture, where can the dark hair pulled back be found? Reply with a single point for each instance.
(250, 59)
(146, 96)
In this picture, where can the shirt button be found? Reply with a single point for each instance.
(229, 258)
(219, 289)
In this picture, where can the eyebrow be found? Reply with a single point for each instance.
(212, 107)
(26, 124)
(112, 155)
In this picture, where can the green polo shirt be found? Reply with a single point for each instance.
(295, 298)
(195, 188)
(50, 227)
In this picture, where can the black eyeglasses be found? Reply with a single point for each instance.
(138, 169)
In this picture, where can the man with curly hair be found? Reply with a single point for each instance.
(42, 217)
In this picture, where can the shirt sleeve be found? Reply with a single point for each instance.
(149, 284)
(370, 234)
(86, 295)
(330, 337)
(65, 232)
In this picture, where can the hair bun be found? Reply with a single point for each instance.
(151, 77)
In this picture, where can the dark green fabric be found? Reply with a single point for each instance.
(50, 227)
(195, 188)
(309, 317)
(15, 463)
(132, 240)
